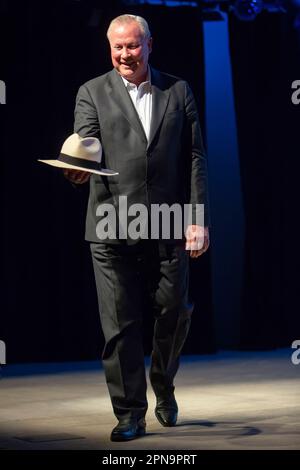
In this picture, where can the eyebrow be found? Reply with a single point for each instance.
(135, 43)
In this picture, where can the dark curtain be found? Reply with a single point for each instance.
(48, 49)
(265, 61)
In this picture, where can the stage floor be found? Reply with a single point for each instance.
(231, 400)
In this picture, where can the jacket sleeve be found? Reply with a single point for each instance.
(199, 179)
(86, 122)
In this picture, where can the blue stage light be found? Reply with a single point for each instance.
(247, 10)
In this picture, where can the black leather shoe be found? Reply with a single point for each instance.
(166, 410)
(128, 429)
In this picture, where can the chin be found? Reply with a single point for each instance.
(129, 71)
(128, 74)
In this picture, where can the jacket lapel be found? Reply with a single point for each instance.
(160, 98)
(122, 99)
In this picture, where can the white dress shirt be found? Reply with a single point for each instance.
(141, 97)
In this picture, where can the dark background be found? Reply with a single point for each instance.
(48, 49)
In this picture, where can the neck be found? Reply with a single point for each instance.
(139, 80)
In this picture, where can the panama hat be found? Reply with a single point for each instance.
(81, 153)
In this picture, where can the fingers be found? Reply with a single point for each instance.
(197, 247)
(196, 253)
(76, 176)
(197, 240)
(83, 178)
(195, 244)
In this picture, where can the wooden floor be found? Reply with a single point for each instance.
(229, 400)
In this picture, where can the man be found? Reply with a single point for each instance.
(148, 126)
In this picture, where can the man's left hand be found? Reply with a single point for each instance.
(197, 240)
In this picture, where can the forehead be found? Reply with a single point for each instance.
(126, 32)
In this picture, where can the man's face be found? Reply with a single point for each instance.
(130, 51)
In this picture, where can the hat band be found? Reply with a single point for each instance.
(88, 164)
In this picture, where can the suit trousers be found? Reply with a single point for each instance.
(125, 276)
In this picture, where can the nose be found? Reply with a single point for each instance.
(125, 53)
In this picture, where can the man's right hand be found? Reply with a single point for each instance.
(77, 176)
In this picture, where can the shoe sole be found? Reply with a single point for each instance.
(140, 433)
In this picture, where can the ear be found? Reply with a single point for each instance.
(150, 41)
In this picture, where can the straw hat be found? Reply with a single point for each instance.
(81, 153)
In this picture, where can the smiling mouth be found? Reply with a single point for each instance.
(127, 65)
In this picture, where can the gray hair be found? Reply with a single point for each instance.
(125, 19)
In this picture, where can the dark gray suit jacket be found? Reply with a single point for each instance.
(169, 168)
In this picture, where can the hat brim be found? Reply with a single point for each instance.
(60, 164)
